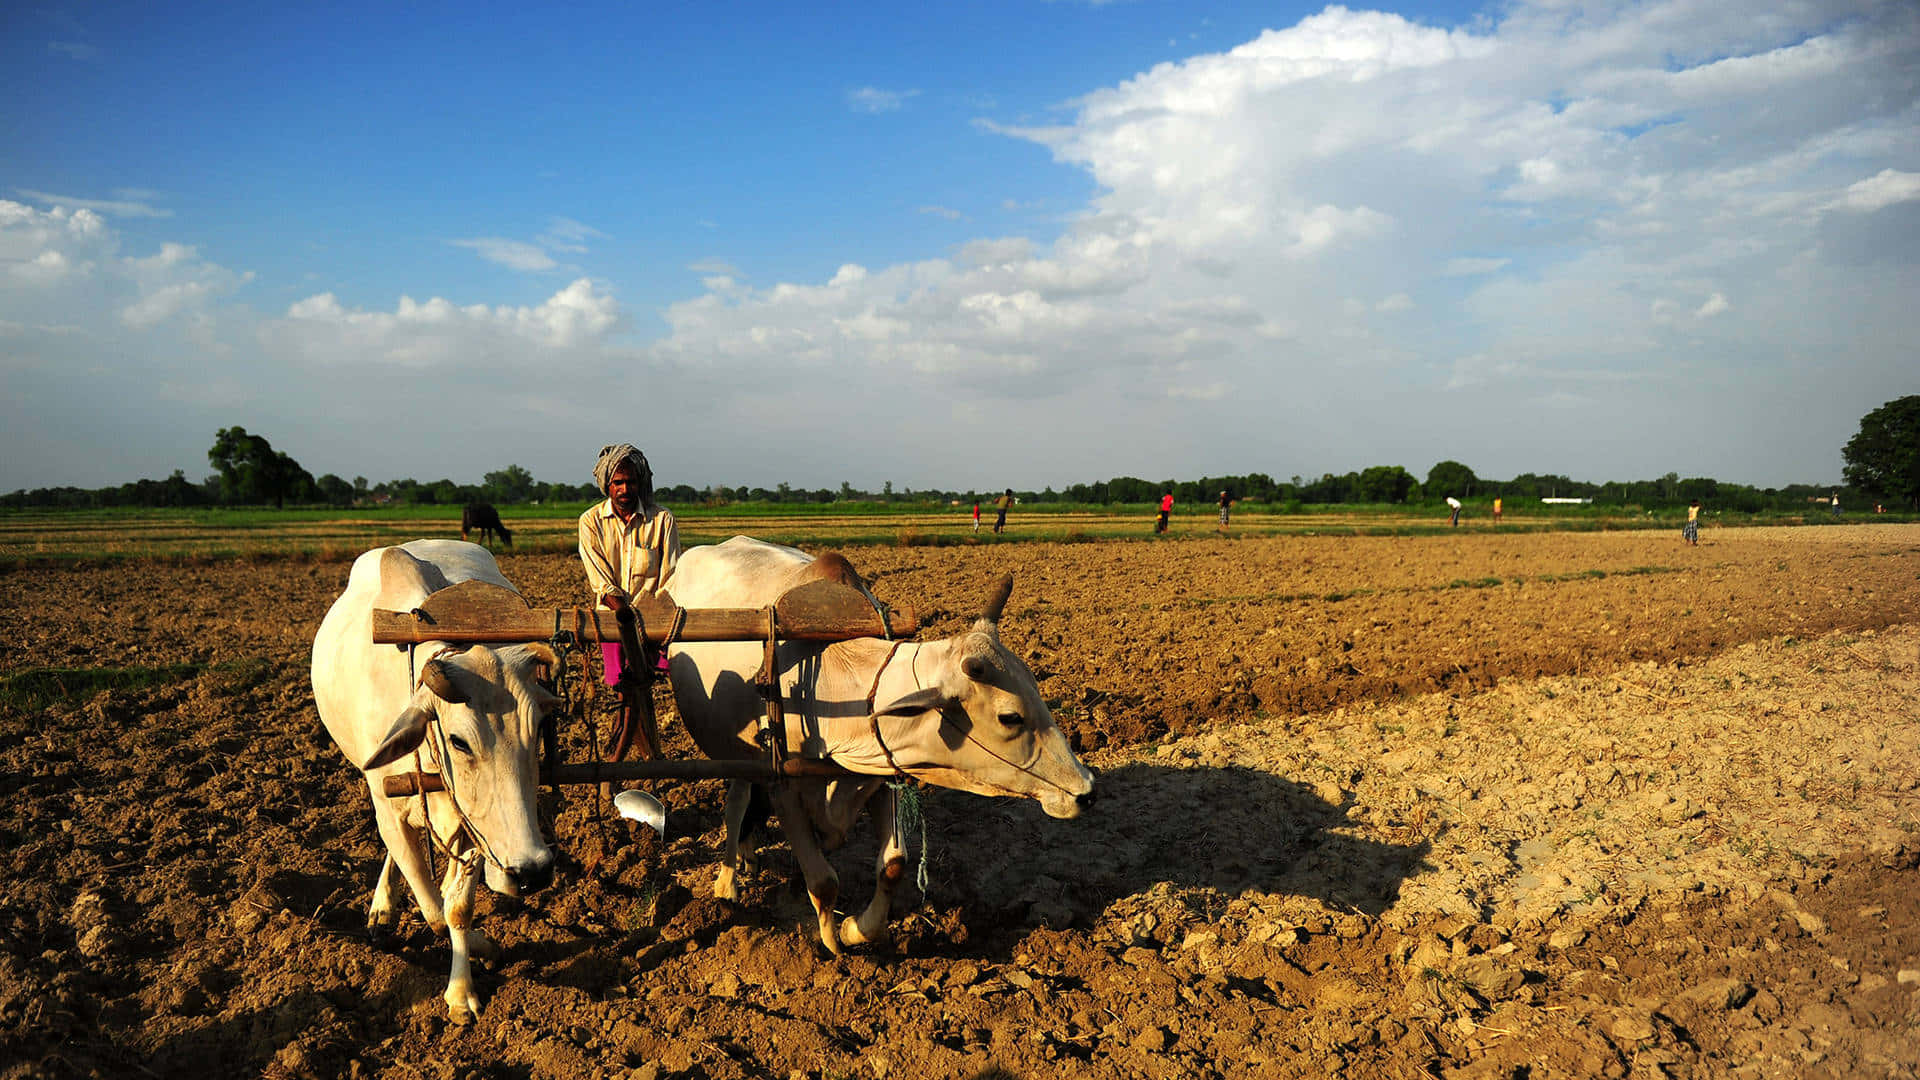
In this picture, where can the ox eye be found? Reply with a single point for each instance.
(459, 744)
(1011, 719)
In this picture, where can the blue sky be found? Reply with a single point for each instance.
(969, 245)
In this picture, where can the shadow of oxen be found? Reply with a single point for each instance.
(1005, 865)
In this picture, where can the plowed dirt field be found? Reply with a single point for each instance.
(1581, 805)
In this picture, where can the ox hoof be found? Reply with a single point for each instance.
(463, 1005)
(382, 934)
(851, 934)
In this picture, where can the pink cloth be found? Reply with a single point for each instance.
(613, 660)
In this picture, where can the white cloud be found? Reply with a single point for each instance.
(1883, 189)
(1714, 305)
(943, 211)
(872, 99)
(512, 254)
(437, 331)
(139, 207)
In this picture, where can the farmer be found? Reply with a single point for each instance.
(1166, 508)
(1496, 510)
(1453, 504)
(976, 515)
(1226, 505)
(1690, 532)
(628, 545)
(1000, 506)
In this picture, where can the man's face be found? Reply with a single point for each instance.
(624, 490)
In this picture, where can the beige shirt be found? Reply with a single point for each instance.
(628, 557)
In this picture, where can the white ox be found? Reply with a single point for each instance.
(962, 713)
(472, 715)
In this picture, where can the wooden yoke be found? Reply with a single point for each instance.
(477, 612)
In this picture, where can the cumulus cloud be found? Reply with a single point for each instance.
(437, 331)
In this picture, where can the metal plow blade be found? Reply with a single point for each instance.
(635, 805)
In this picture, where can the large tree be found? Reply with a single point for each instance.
(1449, 478)
(1384, 484)
(252, 471)
(1884, 458)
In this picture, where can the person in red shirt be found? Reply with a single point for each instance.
(1166, 508)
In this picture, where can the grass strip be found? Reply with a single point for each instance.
(35, 689)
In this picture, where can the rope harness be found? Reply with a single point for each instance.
(442, 756)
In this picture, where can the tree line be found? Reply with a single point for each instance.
(1882, 463)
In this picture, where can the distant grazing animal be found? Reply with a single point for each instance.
(470, 714)
(962, 713)
(484, 518)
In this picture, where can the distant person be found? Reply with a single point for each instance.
(976, 515)
(1836, 504)
(1000, 507)
(1496, 511)
(1454, 505)
(1226, 507)
(1166, 509)
(1690, 532)
(628, 542)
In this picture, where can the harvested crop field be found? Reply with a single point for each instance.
(1552, 804)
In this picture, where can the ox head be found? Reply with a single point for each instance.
(983, 727)
(487, 705)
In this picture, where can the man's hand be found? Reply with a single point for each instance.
(616, 603)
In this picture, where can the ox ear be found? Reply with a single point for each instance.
(407, 731)
(913, 704)
(975, 668)
(437, 675)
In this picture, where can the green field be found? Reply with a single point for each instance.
(330, 534)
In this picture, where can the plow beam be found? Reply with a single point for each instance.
(476, 612)
(400, 785)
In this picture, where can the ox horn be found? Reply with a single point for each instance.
(437, 675)
(997, 602)
(543, 653)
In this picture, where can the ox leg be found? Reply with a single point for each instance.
(407, 850)
(889, 867)
(738, 855)
(823, 885)
(382, 915)
(462, 873)
(462, 1003)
